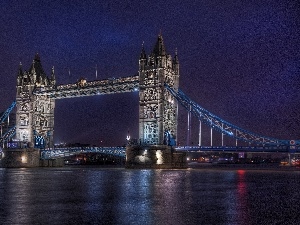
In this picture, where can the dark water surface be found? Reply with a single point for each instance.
(95, 195)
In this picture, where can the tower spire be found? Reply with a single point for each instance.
(176, 61)
(96, 71)
(128, 135)
(143, 53)
(53, 81)
(159, 48)
(20, 72)
(37, 57)
(20, 75)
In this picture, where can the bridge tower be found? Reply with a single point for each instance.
(35, 113)
(157, 112)
(157, 107)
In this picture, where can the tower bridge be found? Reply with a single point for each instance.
(158, 84)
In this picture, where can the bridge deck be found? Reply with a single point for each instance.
(98, 87)
(120, 151)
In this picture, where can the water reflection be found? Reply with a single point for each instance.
(118, 196)
(135, 202)
(16, 198)
(168, 193)
(242, 208)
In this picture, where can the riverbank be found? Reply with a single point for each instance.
(211, 166)
(265, 166)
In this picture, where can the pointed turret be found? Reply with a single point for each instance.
(20, 72)
(175, 60)
(158, 56)
(143, 58)
(20, 75)
(32, 68)
(37, 72)
(37, 57)
(176, 63)
(143, 53)
(159, 48)
(53, 81)
(128, 136)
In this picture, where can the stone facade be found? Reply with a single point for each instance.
(157, 107)
(35, 113)
(59, 162)
(27, 158)
(19, 158)
(157, 111)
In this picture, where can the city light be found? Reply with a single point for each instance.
(128, 136)
(159, 157)
(24, 159)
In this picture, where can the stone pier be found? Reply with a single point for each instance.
(26, 158)
(20, 158)
(154, 156)
(59, 162)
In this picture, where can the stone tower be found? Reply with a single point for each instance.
(157, 107)
(35, 113)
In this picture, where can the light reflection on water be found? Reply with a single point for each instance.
(93, 195)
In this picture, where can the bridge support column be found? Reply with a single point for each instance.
(52, 162)
(20, 158)
(155, 156)
(27, 158)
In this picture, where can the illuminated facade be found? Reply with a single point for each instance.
(36, 94)
(158, 108)
(35, 114)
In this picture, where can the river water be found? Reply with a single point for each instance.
(95, 195)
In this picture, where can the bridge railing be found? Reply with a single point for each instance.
(70, 151)
(8, 128)
(8, 135)
(282, 149)
(7, 112)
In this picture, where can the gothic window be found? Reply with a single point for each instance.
(152, 115)
(24, 106)
(23, 121)
(150, 133)
(24, 135)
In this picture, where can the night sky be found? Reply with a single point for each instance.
(238, 59)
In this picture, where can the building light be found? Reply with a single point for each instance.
(128, 136)
(24, 159)
(159, 157)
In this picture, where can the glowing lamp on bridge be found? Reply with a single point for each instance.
(230, 133)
